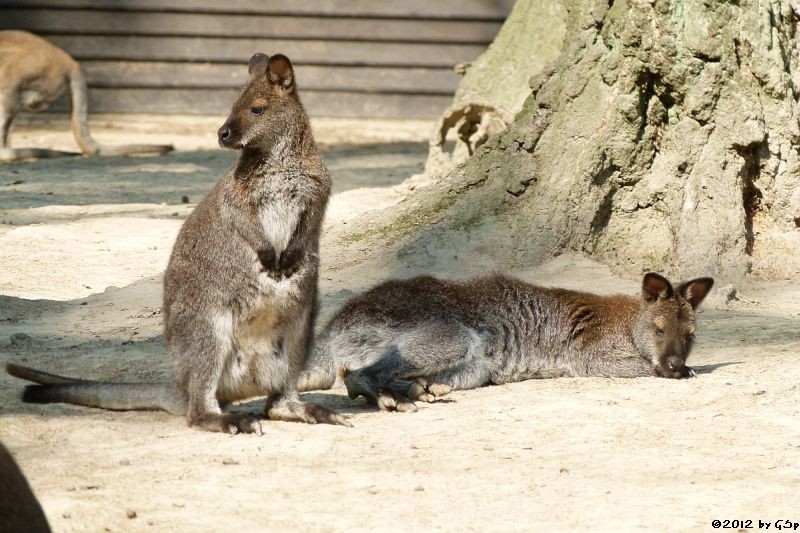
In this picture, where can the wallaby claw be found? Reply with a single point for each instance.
(393, 401)
(424, 392)
(234, 424)
(323, 415)
(417, 392)
(439, 390)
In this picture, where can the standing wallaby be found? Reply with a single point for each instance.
(417, 339)
(34, 73)
(240, 291)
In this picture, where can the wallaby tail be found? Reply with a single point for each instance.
(20, 154)
(113, 396)
(79, 94)
(37, 376)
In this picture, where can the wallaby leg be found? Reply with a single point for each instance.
(6, 118)
(377, 384)
(628, 367)
(287, 406)
(400, 395)
(11, 154)
(394, 394)
(204, 410)
(424, 363)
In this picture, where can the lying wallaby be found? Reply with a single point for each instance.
(20, 511)
(34, 73)
(499, 330)
(240, 291)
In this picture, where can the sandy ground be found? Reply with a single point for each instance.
(83, 244)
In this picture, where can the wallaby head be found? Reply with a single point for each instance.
(267, 106)
(666, 323)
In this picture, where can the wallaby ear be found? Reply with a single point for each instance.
(656, 287)
(258, 60)
(695, 291)
(281, 72)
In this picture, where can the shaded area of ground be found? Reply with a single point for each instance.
(168, 179)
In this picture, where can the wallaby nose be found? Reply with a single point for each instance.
(675, 363)
(223, 133)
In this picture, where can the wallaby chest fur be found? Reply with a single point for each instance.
(498, 329)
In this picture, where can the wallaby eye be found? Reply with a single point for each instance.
(659, 331)
(257, 111)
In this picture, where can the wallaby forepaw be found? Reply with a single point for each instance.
(290, 261)
(268, 259)
(280, 267)
(683, 372)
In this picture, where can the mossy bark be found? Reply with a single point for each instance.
(495, 84)
(665, 137)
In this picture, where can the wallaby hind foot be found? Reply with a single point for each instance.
(294, 410)
(231, 423)
(377, 384)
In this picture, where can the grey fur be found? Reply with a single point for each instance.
(498, 330)
(240, 289)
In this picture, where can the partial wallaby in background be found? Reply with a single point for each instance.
(240, 291)
(419, 338)
(20, 511)
(34, 73)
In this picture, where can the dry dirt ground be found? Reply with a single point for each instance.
(83, 244)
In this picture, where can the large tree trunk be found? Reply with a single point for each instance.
(665, 137)
(495, 85)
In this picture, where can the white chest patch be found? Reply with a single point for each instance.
(279, 222)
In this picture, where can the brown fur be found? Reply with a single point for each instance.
(34, 73)
(240, 290)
